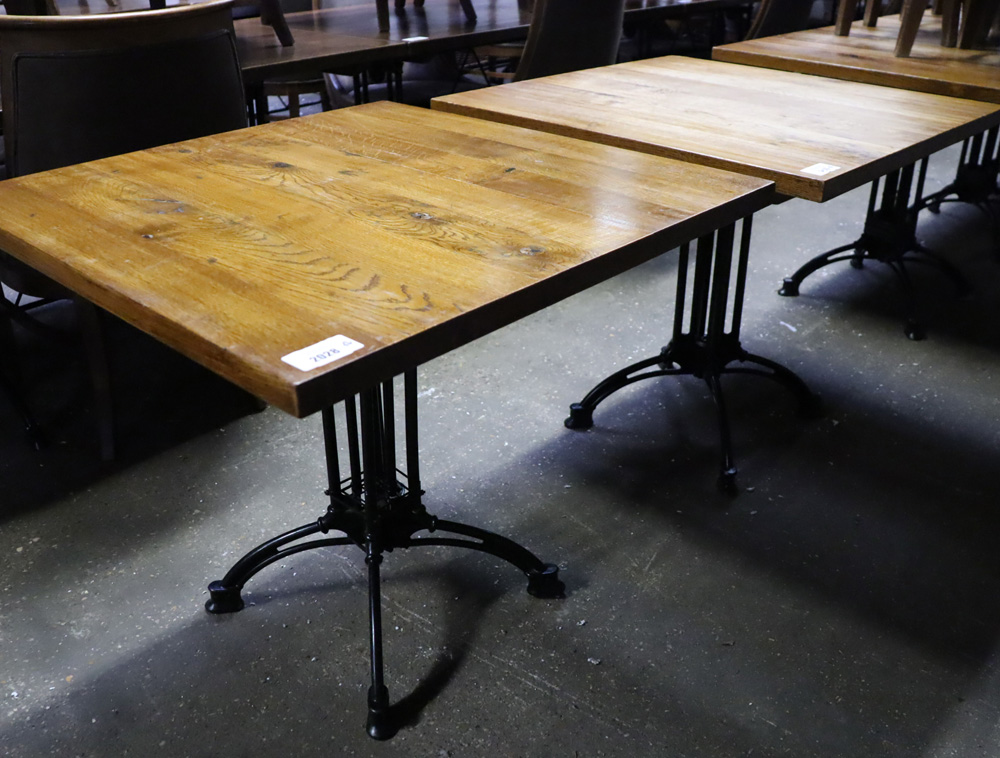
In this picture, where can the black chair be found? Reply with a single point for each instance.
(780, 17)
(79, 88)
(564, 35)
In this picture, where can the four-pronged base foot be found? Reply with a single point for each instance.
(580, 417)
(545, 583)
(789, 287)
(223, 599)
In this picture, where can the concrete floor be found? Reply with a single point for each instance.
(843, 604)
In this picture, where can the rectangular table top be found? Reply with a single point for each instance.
(407, 231)
(867, 56)
(815, 137)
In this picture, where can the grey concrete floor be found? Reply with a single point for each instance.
(843, 604)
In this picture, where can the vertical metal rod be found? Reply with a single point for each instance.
(873, 196)
(377, 694)
(332, 455)
(977, 147)
(680, 301)
(702, 283)
(903, 189)
(889, 190)
(921, 178)
(354, 448)
(412, 441)
(741, 276)
(989, 152)
(372, 444)
(373, 471)
(964, 155)
(722, 271)
(389, 433)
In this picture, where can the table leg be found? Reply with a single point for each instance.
(9, 388)
(889, 237)
(377, 512)
(708, 346)
(975, 181)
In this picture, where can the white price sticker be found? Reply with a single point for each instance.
(322, 353)
(820, 169)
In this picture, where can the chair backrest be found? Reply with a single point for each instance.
(780, 17)
(78, 88)
(569, 35)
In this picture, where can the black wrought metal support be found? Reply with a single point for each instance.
(706, 340)
(31, 430)
(9, 381)
(889, 237)
(378, 508)
(975, 181)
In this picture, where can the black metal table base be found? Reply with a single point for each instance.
(377, 512)
(889, 237)
(705, 342)
(975, 181)
(9, 381)
(31, 430)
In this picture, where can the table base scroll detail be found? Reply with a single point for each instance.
(378, 512)
(889, 237)
(705, 347)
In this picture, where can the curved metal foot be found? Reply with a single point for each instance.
(224, 599)
(545, 582)
(915, 331)
(580, 417)
(790, 284)
(789, 287)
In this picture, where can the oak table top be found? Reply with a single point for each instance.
(407, 231)
(815, 137)
(867, 56)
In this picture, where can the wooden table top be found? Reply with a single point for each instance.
(408, 231)
(867, 56)
(815, 137)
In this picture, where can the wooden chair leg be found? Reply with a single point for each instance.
(977, 19)
(100, 377)
(949, 10)
(909, 24)
(845, 17)
(872, 12)
(470, 12)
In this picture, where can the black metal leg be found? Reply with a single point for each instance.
(377, 512)
(31, 430)
(727, 469)
(9, 384)
(704, 346)
(975, 181)
(889, 237)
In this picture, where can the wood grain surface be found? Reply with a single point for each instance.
(772, 124)
(409, 231)
(867, 56)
